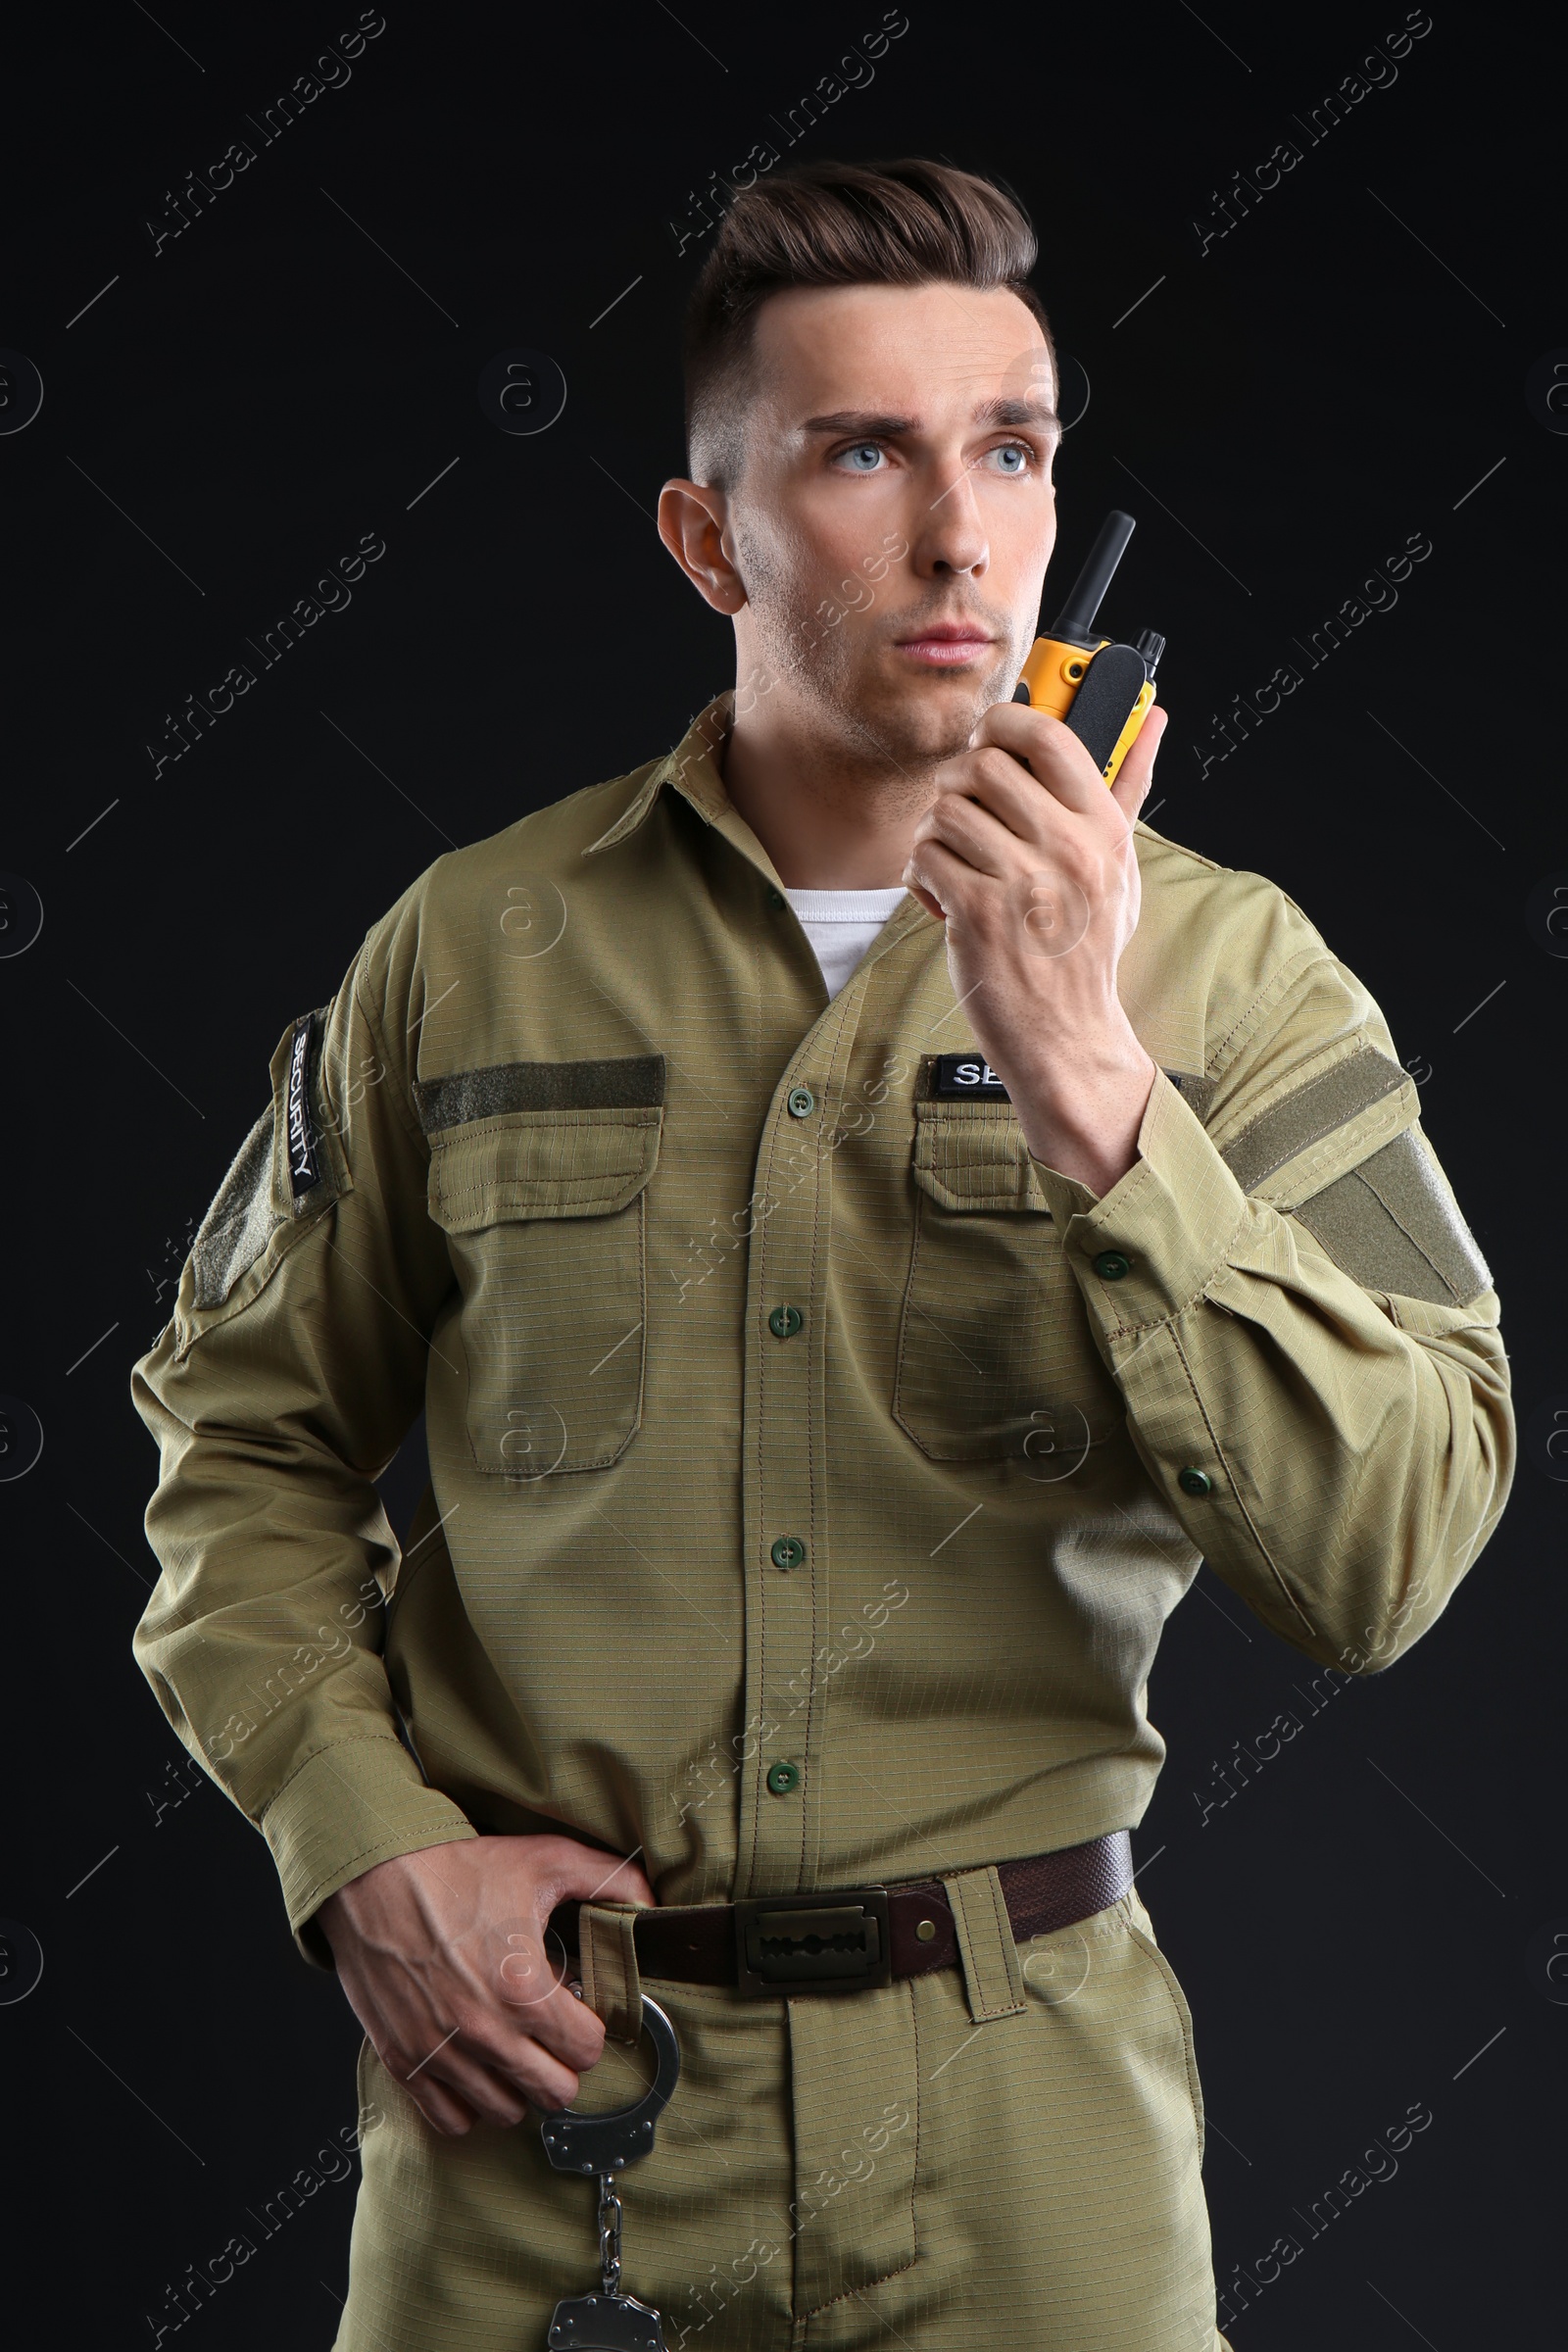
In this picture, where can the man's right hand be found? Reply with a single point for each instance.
(442, 1955)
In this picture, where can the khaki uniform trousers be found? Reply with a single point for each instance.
(837, 2172)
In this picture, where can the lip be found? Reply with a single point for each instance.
(946, 645)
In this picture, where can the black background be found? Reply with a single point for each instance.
(1281, 412)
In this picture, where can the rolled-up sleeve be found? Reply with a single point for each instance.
(1303, 1328)
(292, 1367)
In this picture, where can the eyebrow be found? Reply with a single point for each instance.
(1005, 409)
(1030, 410)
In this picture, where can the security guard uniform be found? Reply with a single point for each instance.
(812, 1472)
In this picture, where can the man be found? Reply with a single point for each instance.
(816, 1446)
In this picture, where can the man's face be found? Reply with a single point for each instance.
(895, 513)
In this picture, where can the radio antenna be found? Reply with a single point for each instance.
(1076, 625)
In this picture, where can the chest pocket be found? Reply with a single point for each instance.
(995, 1354)
(544, 1216)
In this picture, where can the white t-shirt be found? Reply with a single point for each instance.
(841, 925)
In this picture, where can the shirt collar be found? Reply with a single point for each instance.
(693, 768)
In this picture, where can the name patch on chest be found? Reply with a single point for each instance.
(960, 1075)
(303, 1169)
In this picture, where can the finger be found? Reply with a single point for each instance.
(543, 2080)
(1056, 759)
(566, 1868)
(565, 2027)
(527, 1972)
(1137, 771)
(484, 2085)
(491, 2073)
(997, 782)
(442, 2108)
(610, 1880)
(967, 826)
(940, 872)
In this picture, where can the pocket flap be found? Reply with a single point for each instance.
(541, 1163)
(973, 1155)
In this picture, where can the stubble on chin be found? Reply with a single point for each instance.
(877, 721)
(926, 721)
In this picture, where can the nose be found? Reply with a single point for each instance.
(951, 541)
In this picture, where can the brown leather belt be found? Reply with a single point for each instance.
(852, 1938)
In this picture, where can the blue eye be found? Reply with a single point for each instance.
(1018, 451)
(863, 450)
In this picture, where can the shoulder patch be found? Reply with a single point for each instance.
(304, 1169)
(288, 1166)
(1393, 1225)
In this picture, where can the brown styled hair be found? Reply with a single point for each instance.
(908, 224)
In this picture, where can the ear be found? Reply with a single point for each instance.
(691, 523)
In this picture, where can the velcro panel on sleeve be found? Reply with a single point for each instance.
(1195, 1089)
(240, 1222)
(1306, 1137)
(1394, 1224)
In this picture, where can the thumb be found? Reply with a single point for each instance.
(567, 1868)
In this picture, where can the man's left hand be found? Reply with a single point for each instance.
(1035, 872)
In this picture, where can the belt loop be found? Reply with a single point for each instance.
(992, 1974)
(611, 1983)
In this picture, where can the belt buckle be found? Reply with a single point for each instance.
(812, 1942)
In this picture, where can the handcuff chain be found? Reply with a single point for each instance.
(609, 2234)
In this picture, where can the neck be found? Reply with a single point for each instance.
(832, 814)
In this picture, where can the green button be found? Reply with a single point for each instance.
(802, 1102)
(787, 1553)
(1195, 1482)
(782, 1777)
(775, 898)
(785, 1321)
(1110, 1265)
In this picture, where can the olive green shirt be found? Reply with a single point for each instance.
(813, 1469)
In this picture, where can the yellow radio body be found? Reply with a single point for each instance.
(1102, 690)
(1055, 671)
